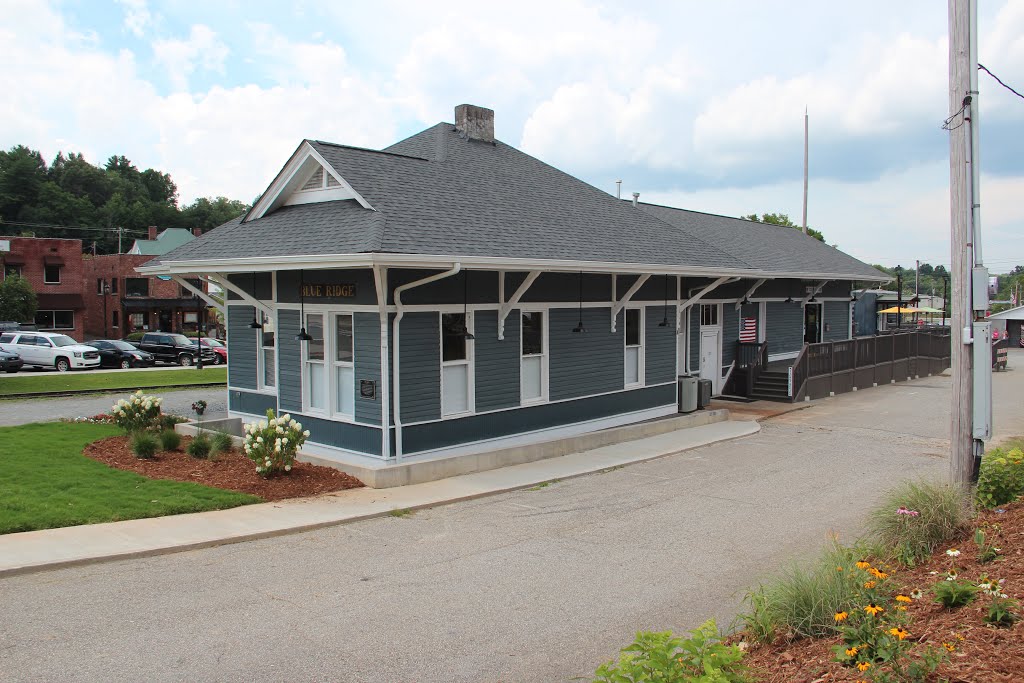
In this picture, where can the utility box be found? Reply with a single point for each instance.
(982, 373)
(687, 393)
(979, 288)
(703, 393)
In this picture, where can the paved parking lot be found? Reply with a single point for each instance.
(537, 585)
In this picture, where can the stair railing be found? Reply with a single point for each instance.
(798, 373)
(752, 357)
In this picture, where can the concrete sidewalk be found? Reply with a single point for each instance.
(53, 548)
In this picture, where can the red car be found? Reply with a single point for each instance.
(219, 349)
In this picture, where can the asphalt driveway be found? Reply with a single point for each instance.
(538, 585)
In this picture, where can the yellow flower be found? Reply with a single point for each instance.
(876, 573)
(949, 647)
(873, 609)
(902, 598)
(851, 652)
(862, 564)
(841, 616)
(839, 569)
(901, 608)
(869, 584)
(863, 666)
(899, 632)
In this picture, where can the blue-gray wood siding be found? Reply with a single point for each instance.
(660, 345)
(420, 367)
(289, 361)
(694, 352)
(352, 437)
(837, 321)
(250, 402)
(447, 433)
(730, 332)
(259, 285)
(242, 348)
(366, 362)
(784, 330)
(497, 362)
(585, 363)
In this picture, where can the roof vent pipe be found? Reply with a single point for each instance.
(636, 199)
(618, 189)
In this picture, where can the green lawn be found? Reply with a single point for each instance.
(46, 482)
(29, 382)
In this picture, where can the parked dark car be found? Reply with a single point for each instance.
(218, 347)
(115, 353)
(10, 362)
(173, 348)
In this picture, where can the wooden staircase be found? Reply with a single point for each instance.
(772, 385)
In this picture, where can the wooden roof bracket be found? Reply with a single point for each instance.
(686, 305)
(814, 292)
(507, 306)
(619, 305)
(750, 291)
(222, 280)
(198, 292)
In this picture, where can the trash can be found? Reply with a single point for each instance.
(687, 393)
(703, 393)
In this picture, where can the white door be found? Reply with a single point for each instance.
(710, 358)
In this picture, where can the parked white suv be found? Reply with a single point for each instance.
(49, 350)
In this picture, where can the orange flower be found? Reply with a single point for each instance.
(949, 647)
(874, 609)
(863, 564)
(899, 632)
(863, 666)
(851, 652)
(841, 616)
(869, 584)
(903, 598)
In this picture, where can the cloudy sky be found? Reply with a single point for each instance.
(693, 104)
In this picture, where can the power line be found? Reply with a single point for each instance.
(53, 226)
(998, 80)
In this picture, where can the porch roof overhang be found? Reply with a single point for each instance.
(250, 264)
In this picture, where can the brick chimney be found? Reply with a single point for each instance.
(152, 232)
(475, 122)
(197, 231)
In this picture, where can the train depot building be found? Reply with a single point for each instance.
(451, 295)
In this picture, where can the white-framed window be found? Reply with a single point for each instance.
(316, 391)
(11, 271)
(343, 372)
(633, 327)
(51, 274)
(138, 321)
(533, 347)
(268, 365)
(456, 365)
(708, 315)
(99, 285)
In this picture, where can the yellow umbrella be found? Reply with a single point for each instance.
(897, 309)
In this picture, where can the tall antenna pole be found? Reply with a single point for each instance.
(805, 169)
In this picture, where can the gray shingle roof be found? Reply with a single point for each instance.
(439, 193)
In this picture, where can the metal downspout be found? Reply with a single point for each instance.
(380, 277)
(396, 357)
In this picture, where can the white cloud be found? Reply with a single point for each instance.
(202, 49)
(136, 16)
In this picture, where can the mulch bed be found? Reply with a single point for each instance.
(983, 653)
(232, 471)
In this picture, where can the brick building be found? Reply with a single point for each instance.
(53, 267)
(119, 301)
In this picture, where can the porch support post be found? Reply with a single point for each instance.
(225, 284)
(750, 291)
(198, 292)
(814, 292)
(506, 306)
(619, 305)
(380, 281)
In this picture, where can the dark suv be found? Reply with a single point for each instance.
(173, 348)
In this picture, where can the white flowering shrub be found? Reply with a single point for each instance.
(272, 443)
(137, 414)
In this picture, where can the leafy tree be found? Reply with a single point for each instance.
(17, 300)
(783, 220)
(207, 213)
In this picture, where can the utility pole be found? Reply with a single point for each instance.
(917, 279)
(119, 231)
(970, 341)
(899, 297)
(805, 168)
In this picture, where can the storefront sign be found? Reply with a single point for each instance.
(341, 291)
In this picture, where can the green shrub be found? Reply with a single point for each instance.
(272, 443)
(168, 420)
(661, 658)
(200, 446)
(952, 593)
(138, 413)
(170, 440)
(135, 336)
(1001, 480)
(803, 601)
(916, 518)
(144, 445)
(222, 443)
